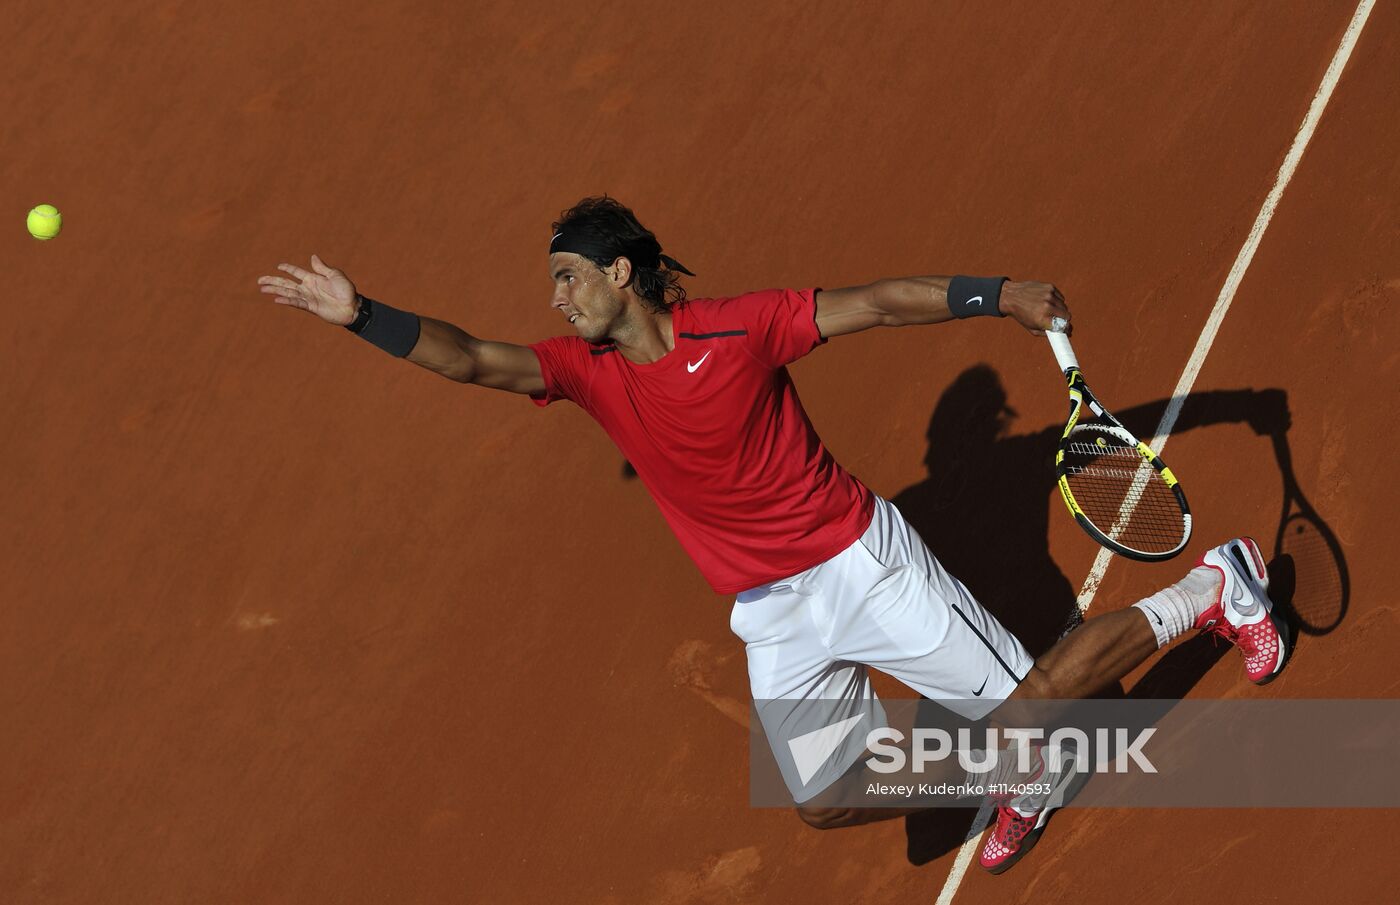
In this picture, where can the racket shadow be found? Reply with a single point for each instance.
(1309, 581)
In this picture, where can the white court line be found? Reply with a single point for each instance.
(1198, 355)
(1242, 261)
(964, 858)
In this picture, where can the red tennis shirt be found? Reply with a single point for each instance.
(716, 432)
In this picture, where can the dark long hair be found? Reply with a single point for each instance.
(612, 224)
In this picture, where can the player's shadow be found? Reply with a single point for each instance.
(984, 511)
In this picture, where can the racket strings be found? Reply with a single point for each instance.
(1121, 494)
(1105, 450)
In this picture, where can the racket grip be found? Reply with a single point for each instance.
(1059, 344)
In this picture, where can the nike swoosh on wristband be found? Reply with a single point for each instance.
(692, 367)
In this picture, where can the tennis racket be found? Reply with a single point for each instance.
(1116, 487)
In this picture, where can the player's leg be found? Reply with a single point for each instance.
(1098, 653)
(889, 604)
(1226, 594)
(800, 689)
(922, 626)
(803, 685)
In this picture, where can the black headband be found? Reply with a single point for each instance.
(592, 248)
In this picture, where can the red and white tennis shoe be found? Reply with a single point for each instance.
(1243, 613)
(1021, 820)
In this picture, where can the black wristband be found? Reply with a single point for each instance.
(971, 296)
(361, 316)
(392, 330)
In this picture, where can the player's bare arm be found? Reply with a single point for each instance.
(441, 347)
(449, 350)
(906, 301)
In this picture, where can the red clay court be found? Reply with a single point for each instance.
(288, 621)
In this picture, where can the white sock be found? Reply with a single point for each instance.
(1173, 610)
(1017, 762)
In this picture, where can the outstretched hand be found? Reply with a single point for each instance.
(1033, 305)
(326, 292)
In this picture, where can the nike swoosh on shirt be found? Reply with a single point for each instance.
(694, 366)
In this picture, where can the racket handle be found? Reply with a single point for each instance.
(1059, 344)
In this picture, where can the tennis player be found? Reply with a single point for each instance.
(829, 579)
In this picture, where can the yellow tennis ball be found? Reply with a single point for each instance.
(44, 222)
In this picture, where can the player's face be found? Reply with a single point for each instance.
(584, 295)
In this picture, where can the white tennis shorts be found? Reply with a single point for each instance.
(883, 602)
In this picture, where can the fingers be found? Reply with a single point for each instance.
(281, 287)
(294, 270)
(1035, 305)
(1057, 310)
(286, 292)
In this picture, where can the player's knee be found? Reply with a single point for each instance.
(826, 818)
(1038, 684)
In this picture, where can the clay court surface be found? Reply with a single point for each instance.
(285, 620)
